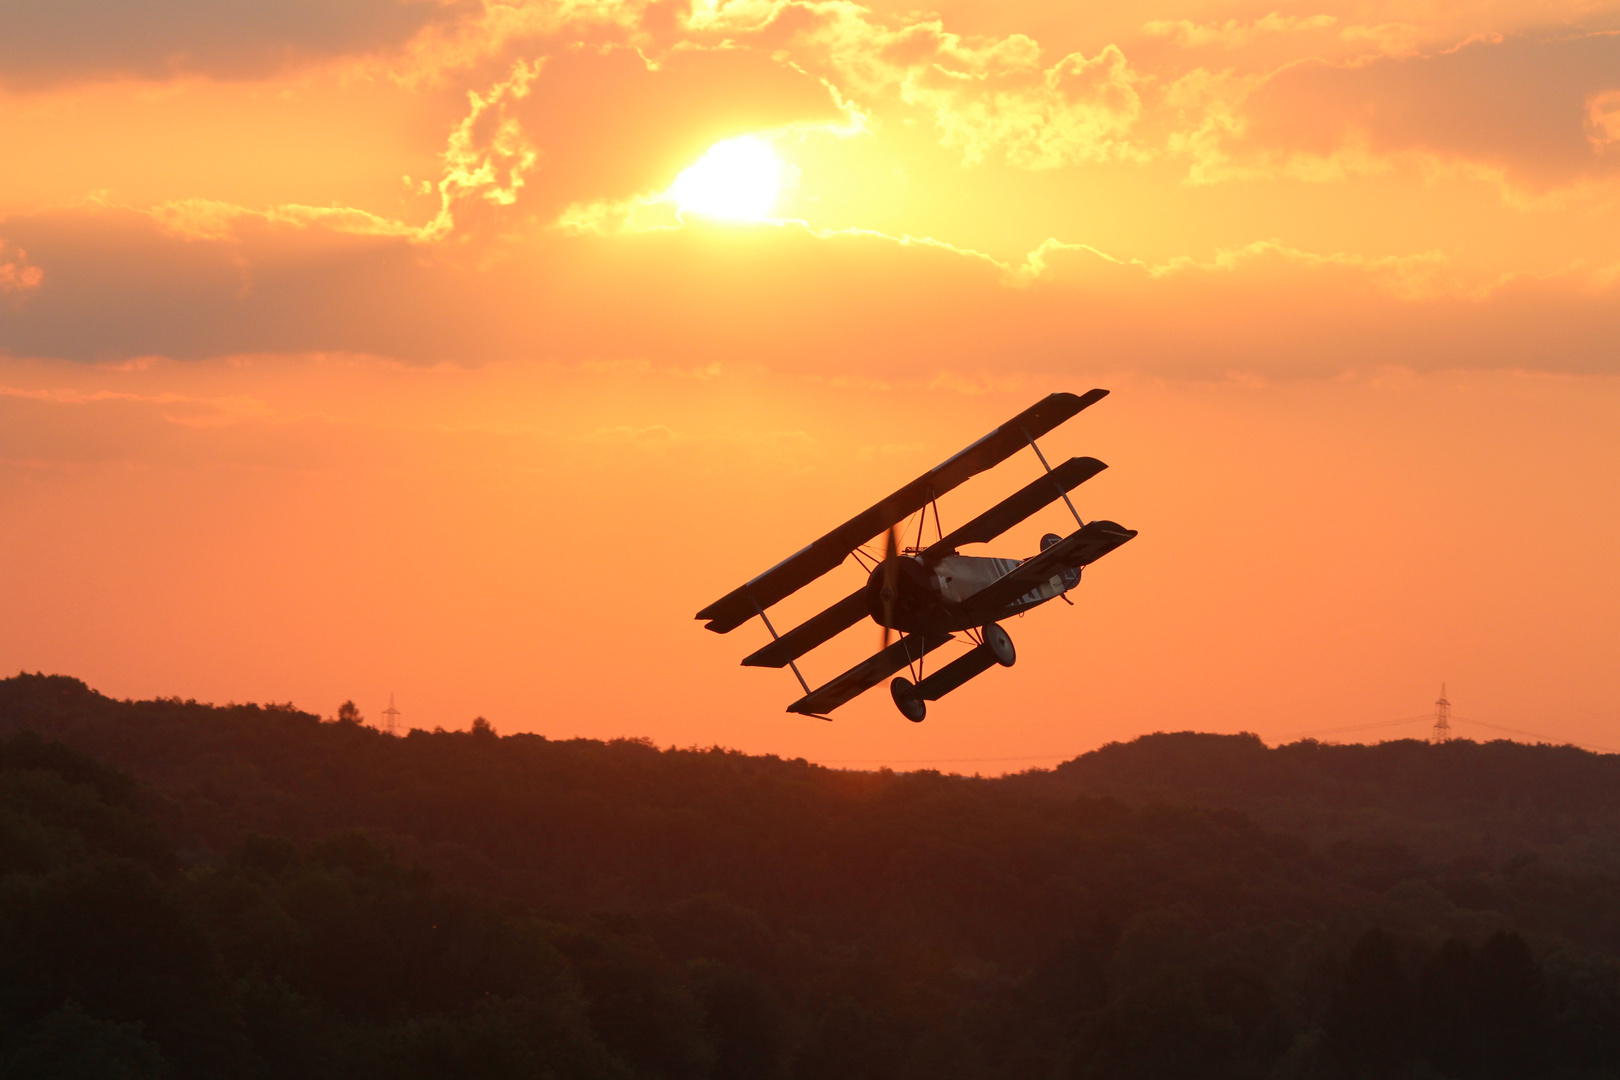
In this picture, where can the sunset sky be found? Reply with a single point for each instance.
(463, 350)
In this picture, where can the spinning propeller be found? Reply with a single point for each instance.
(891, 581)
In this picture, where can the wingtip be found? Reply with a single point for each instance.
(1071, 404)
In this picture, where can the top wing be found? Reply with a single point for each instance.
(1079, 548)
(803, 567)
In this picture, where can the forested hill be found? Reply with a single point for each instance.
(229, 770)
(189, 890)
(1498, 800)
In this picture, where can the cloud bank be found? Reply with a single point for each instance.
(1282, 193)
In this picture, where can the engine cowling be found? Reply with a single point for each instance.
(914, 592)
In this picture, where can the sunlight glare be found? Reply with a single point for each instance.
(736, 180)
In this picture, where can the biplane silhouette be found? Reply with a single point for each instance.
(929, 594)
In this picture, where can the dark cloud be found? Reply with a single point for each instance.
(48, 42)
(1523, 104)
(116, 285)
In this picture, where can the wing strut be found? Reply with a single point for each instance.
(775, 637)
(1061, 489)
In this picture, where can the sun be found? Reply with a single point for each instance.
(736, 180)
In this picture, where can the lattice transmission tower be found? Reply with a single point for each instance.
(1442, 718)
(391, 717)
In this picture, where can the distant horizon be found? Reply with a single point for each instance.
(878, 763)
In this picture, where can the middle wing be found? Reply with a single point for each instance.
(812, 632)
(1033, 496)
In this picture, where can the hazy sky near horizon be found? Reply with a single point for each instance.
(351, 347)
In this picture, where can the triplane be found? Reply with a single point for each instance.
(929, 593)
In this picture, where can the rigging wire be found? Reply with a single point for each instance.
(1552, 740)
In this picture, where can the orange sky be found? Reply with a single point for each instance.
(361, 346)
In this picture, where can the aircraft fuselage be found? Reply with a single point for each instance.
(936, 595)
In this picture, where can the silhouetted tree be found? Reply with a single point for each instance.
(1368, 1026)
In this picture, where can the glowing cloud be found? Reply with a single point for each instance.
(16, 275)
(736, 180)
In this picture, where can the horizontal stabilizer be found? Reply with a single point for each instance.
(1079, 548)
(954, 674)
(807, 635)
(1016, 507)
(803, 567)
(868, 673)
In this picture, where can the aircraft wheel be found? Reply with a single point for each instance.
(911, 706)
(1000, 645)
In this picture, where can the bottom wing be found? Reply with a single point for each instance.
(868, 673)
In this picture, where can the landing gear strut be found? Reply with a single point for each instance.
(994, 647)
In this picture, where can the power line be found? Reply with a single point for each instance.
(1442, 717)
(1537, 735)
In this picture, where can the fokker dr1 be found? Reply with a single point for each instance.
(927, 593)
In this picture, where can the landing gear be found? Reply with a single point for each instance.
(994, 647)
(1000, 645)
(911, 706)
